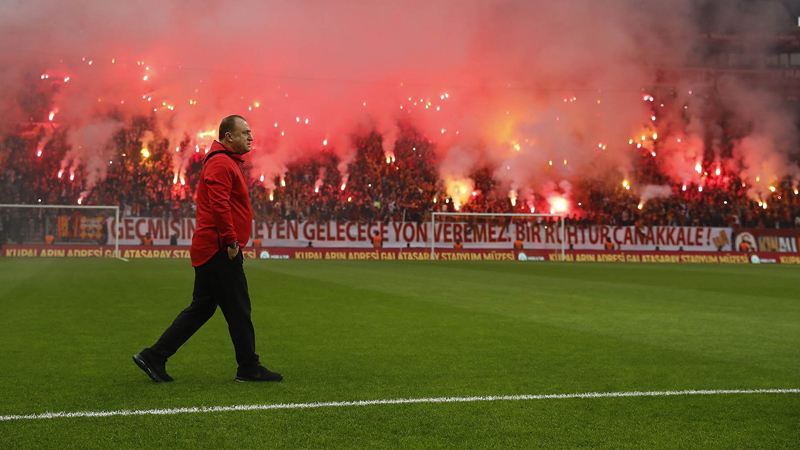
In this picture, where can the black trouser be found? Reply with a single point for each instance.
(220, 281)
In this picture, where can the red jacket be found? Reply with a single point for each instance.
(224, 214)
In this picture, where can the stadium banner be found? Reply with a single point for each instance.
(394, 254)
(474, 236)
(768, 240)
(90, 228)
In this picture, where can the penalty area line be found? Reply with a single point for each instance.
(398, 401)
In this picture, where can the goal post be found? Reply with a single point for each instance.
(560, 217)
(28, 225)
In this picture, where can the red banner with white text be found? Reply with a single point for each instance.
(768, 240)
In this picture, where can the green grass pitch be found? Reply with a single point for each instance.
(365, 330)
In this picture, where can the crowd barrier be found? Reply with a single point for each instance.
(393, 254)
(481, 235)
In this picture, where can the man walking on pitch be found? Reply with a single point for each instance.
(224, 218)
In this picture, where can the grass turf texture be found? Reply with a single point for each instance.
(343, 331)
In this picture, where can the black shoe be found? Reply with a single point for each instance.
(259, 373)
(157, 372)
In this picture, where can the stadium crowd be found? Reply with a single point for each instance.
(370, 186)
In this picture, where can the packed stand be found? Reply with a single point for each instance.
(367, 184)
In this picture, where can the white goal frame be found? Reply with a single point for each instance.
(561, 217)
(106, 207)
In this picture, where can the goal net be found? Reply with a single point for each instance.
(497, 230)
(59, 225)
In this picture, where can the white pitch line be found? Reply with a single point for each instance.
(398, 401)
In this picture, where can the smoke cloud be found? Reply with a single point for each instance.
(542, 92)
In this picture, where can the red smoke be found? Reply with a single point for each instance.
(545, 93)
